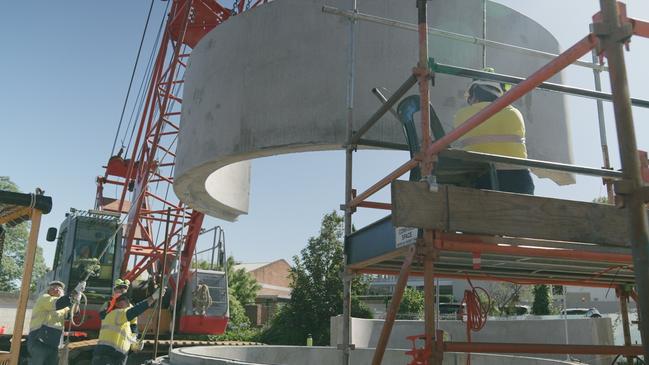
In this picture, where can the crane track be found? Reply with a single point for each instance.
(82, 349)
(165, 343)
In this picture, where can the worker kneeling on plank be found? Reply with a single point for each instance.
(120, 287)
(47, 323)
(115, 335)
(502, 134)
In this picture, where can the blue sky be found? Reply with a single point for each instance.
(67, 66)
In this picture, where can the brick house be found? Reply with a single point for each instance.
(275, 289)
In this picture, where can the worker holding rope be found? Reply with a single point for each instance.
(46, 326)
(120, 287)
(115, 335)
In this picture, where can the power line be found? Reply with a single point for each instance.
(145, 82)
(130, 84)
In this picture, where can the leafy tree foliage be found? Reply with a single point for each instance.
(412, 304)
(13, 255)
(239, 327)
(601, 200)
(541, 304)
(238, 318)
(557, 289)
(504, 296)
(317, 293)
(242, 285)
(242, 289)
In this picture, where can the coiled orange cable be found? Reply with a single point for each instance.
(476, 311)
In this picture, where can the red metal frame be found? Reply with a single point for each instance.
(150, 165)
(581, 48)
(202, 325)
(486, 277)
(432, 353)
(533, 348)
(516, 92)
(474, 244)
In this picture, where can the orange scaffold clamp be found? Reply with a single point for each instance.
(420, 356)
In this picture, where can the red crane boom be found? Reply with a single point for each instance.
(149, 168)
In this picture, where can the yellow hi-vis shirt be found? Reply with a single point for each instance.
(502, 134)
(116, 331)
(105, 307)
(44, 313)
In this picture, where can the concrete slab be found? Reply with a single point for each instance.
(296, 355)
(274, 80)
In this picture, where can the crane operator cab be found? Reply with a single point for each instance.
(88, 245)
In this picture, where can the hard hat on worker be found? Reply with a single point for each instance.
(57, 283)
(493, 88)
(119, 283)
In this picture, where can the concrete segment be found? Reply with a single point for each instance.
(586, 331)
(296, 355)
(273, 80)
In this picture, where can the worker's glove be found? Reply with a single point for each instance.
(81, 287)
(76, 296)
(160, 291)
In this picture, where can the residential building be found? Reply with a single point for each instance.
(275, 288)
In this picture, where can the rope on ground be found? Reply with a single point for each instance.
(476, 311)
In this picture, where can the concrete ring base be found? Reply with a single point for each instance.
(299, 355)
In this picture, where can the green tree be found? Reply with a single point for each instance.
(241, 284)
(13, 252)
(242, 288)
(601, 200)
(203, 265)
(541, 304)
(412, 304)
(504, 296)
(317, 290)
(238, 318)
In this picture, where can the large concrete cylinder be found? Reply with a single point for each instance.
(274, 80)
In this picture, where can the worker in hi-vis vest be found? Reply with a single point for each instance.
(115, 336)
(47, 322)
(502, 134)
(119, 287)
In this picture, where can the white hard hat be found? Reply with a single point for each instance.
(492, 87)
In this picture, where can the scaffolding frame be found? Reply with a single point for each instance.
(14, 209)
(610, 31)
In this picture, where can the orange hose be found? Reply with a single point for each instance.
(476, 312)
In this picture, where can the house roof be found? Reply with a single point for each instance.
(252, 266)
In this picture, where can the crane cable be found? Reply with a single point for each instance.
(130, 84)
(145, 81)
(76, 305)
(163, 284)
(476, 311)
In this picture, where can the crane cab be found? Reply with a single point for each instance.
(88, 242)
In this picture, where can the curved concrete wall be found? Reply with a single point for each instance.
(581, 331)
(273, 80)
(296, 355)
